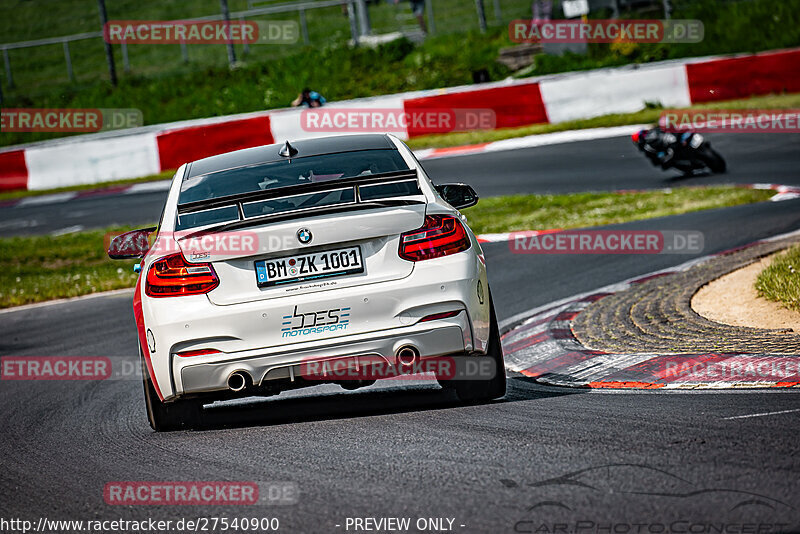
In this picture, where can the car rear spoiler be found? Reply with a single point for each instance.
(366, 194)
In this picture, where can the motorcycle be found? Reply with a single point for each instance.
(688, 152)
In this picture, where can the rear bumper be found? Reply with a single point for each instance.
(252, 337)
(291, 362)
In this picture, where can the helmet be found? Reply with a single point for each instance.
(637, 135)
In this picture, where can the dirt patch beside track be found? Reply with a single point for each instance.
(733, 300)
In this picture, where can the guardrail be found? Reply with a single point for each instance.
(43, 42)
(356, 11)
(453, 15)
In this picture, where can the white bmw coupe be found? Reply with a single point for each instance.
(329, 260)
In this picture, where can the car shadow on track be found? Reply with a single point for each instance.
(362, 403)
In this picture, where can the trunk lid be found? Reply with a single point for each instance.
(375, 232)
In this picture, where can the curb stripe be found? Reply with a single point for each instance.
(543, 347)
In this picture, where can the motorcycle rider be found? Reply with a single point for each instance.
(656, 145)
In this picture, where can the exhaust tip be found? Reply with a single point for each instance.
(407, 356)
(237, 381)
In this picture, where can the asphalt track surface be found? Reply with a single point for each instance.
(541, 460)
(601, 165)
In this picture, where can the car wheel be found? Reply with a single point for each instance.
(163, 416)
(478, 390)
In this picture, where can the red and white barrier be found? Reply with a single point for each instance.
(95, 158)
(179, 145)
(91, 161)
(595, 93)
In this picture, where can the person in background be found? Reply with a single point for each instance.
(311, 99)
(418, 8)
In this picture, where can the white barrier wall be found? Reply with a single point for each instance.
(90, 162)
(288, 124)
(584, 95)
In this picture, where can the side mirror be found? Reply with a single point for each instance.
(133, 244)
(459, 196)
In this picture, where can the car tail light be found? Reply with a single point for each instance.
(437, 316)
(441, 235)
(173, 276)
(198, 352)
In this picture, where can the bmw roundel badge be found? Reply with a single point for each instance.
(304, 236)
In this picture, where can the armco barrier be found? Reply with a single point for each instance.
(95, 158)
(741, 77)
(13, 171)
(513, 105)
(91, 161)
(584, 95)
(176, 147)
(288, 124)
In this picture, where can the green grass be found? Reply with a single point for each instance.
(541, 212)
(648, 115)
(11, 195)
(780, 282)
(729, 26)
(42, 268)
(166, 89)
(34, 269)
(337, 72)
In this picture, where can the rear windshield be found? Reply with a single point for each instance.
(288, 173)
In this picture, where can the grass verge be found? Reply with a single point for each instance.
(35, 269)
(11, 195)
(540, 212)
(648, 115)
(43, 268)
(780, 282)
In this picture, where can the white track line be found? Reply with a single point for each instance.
(46, 303)
(148, 187)
(760, 414)
(46, 199)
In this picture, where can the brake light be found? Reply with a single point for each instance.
(173, 276)
(441, 235)
(198, 352)
(437, 316)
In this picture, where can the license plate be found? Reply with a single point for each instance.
(305, 267)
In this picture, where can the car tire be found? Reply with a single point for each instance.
(480, 390)
(167, 416)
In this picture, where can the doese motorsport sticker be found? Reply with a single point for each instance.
(315, 322)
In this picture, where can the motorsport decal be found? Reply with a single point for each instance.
(316, 322)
